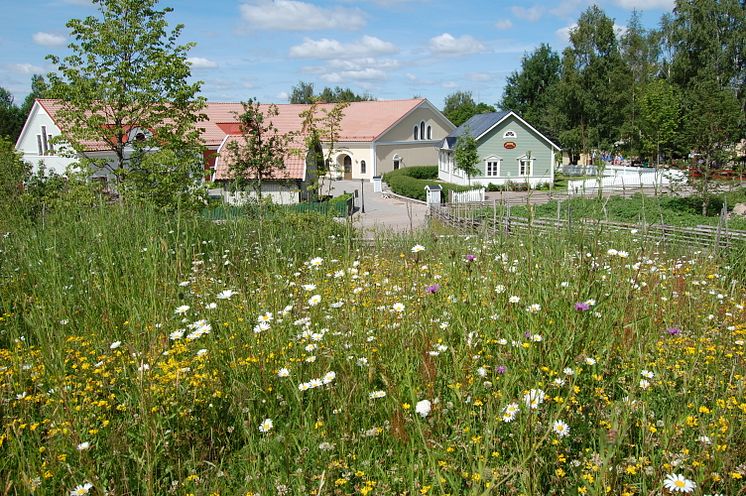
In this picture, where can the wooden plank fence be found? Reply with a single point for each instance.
(498, 220)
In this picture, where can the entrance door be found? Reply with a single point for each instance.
(348, 167)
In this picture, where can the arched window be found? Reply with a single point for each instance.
(422, 130)
(416, 132)
(362, 167)
(429, 132)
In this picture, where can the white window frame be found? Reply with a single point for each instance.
(396, 159)
(530, 161)
(492, 160)
(443, 159)
(363, 167)
(510, 134)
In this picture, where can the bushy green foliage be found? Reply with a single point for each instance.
(411, 182)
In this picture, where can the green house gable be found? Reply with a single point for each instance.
(497, 143)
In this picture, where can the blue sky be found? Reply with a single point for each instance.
(390, 48)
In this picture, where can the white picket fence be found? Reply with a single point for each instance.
(473, 195)
(624, 178)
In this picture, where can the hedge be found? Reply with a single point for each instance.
(411, 182)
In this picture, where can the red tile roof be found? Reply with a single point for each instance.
(362, 122)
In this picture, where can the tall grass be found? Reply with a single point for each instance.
(161, 342)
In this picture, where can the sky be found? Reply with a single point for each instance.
(392, 49)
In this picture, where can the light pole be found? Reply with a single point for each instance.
(362, 195)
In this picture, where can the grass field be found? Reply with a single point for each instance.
(144, 354)
(666, 209)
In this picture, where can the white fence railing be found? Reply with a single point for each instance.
(624, 178)
(473, 195)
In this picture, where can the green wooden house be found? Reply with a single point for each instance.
(510, 151)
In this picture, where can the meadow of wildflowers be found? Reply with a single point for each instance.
(148, 355)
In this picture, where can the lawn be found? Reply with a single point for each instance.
(147, 354)
(665, 209)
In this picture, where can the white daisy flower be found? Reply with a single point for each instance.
(376, 395)
(181, 310)
(418, 248)
(266, 426)
(677, 483)
(226, 294)
(560, 428)
(115, 345)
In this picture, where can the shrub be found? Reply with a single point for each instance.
(411, 182)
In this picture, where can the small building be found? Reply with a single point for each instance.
(510, 151)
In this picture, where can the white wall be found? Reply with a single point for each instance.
(280, 193)
(27, 142)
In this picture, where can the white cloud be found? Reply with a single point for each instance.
(646, 4)
(504, 24)
(201, 63)
(48, 39)
(367, 74)
(27, 69)
(531, 14)
(449, 85)
(324, 48)
(480, 76)
(446, 44)
(293, 15)
(564, 32)
(283, 95)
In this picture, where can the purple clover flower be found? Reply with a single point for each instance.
(470, 258)
(673, 331)
(582, 306)
(501, 369)
(433, 288)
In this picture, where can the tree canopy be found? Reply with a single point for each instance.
(303, 92)
(126, 71)
(460, 106)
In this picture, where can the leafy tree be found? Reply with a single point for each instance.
(127, 71)
(640, 50)
(708, 41)
(460, 107)
(39, 89)
(713, 124)
(168, 179)
(302, 93)
(592, 87)
(13, 172)
(659, 117)
(259, 153)
(10, 116)
(322, 125)
(466, 154)
(527, 91)
(341, 95)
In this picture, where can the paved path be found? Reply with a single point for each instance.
(383, 213)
